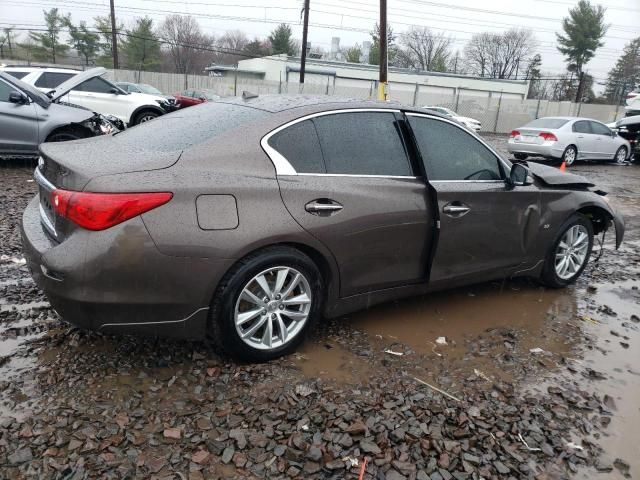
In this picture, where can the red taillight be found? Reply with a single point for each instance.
(99, 211)
(548, 137)
(631, 95)
(514, 133)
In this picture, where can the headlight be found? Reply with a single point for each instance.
(164, 104)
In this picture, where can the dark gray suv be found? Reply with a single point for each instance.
(250, 219)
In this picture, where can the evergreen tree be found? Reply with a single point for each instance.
(281, 39)
(141, 47)
(47, 45)
(103, 25)
(353, 54)
(583, 32)
(85, 42)
(625, 75)
(392, 49)
(255, 49)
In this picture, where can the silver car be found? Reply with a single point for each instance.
(568, 139)
(28, 118)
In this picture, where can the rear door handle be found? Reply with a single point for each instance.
(324, 206)
(456, 209)
(580, 136)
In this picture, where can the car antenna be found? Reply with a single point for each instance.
(248, 95)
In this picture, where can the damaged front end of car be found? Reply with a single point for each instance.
(100, 124)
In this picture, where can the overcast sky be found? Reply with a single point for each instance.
(351, 20)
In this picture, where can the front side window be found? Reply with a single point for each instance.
(52, 79)
(451, 153)
(582, 127)
(94, 85)
(600, 129)
(362, 143)
(300, 146)
(5, 91)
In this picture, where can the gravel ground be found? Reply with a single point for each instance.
(75, 404)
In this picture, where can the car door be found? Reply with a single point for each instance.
(484, 227)
(97, 94)
(18, 124)
(347, 179)
(605, 144)
(584, 139)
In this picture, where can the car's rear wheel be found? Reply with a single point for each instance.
(570, 155)
(520, 156)
(266, 304)
(570, 252)
(145, 116)
(621, 155)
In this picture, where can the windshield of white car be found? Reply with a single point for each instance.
(149, 89)
(547, 123)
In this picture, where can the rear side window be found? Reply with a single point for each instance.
(547, 123)
(300, 146)
(362, 143)
(451, 153)
(95, 85)
(17, 75)
(52, 79)
(582, 127)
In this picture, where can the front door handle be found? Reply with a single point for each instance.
(323, 206)
(456, 209)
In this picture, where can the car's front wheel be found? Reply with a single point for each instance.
(570, 155)
(145, 116)
(570, 252)
(68, 134)
(266, 304)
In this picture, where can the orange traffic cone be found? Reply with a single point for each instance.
(563, 166)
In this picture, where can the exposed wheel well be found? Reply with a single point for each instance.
(70, 128)
(600, 218)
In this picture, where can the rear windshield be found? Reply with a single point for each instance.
(191, 126)
(547, 123)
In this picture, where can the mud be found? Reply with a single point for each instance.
(553, 366)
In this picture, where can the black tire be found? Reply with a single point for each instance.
(566, 155)
(520, 156)
(550, 277)
(222, 328)
(145, 116)
(623, 148)
(67, 134)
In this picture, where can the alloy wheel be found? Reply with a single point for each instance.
(146, 118)
(570, 156)
(571, 253)
(273, 308)
(621, 155)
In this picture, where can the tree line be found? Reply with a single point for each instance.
(179, 45)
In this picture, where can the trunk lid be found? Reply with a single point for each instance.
(531, 135)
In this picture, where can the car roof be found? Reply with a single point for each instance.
(31, 68)
(279, 103)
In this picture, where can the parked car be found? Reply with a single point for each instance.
(41, 77)
(150, 90)
(470, 123)
(292, 208)
(629, 129)
(101, 95)
(632, 107)
(28, 117)
(568, 139)
(189, 98)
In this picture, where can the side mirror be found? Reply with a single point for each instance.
(114, 91)
(518, 175)
(614, 133)
(18, 98)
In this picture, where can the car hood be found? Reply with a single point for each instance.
(633, 120)
(467, 119)
(65, 87)
(557, 178)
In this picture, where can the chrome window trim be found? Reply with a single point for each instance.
(467, 181)
(495, 154)
(412, 177)
(282, 165)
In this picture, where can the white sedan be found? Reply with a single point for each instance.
(470, 123)
(568, 139)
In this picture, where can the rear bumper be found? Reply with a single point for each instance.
(116, 281)
(549, 151)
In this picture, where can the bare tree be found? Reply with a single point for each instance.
(185, 43)
(499, 55)
(232, 45)
(425, 50)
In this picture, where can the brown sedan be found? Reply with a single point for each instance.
(248, 220)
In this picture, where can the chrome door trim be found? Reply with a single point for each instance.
(282, 165)
(465, 130)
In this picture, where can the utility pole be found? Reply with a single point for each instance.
(384, 65)
(305, 30)
(114, 36)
